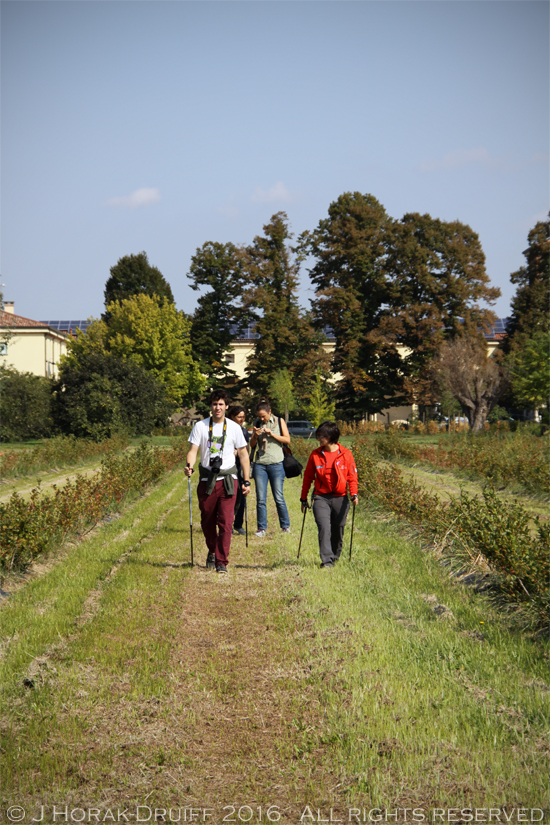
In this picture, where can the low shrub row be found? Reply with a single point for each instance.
(57, 452)
(503, 458)
(30, 528)
(472, 530)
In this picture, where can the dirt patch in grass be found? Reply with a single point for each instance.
(240, 722)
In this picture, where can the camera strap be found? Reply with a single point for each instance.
(211, 435)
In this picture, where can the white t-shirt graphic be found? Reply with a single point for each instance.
(234, 440)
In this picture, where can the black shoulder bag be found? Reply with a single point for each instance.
(291, 465)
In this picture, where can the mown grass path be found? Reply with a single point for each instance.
(129, 678)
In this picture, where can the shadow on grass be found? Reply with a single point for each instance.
(135, 560)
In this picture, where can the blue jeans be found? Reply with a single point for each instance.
(276, 475)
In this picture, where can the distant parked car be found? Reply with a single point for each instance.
(304, 429)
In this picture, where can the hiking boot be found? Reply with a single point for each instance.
(239, 531)
(327, 566)
(210, 561)
(260, 534)
(221, 568)
(285, 530)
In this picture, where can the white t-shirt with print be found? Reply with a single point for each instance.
(234, 440)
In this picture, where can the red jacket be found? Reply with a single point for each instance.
(316, 468)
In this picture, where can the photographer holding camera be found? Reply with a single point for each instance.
(218, 438)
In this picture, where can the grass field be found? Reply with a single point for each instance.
(128, 678)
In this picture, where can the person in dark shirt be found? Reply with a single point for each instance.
(237, 414)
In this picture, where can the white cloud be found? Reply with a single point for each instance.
(460, 158)
(141, 197)
(278, 192)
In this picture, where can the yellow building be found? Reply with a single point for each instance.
(242, 348)
(30, 346)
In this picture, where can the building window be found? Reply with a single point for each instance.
(229, 359)
(3, 349)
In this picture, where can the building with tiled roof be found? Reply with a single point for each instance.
(30, 346)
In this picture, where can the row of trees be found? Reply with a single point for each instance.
(405, 301)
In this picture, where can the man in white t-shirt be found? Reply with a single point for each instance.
(218, 437)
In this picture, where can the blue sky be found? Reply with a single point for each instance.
(158, 126)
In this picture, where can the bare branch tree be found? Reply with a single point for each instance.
(476, 379)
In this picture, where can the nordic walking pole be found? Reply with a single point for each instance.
(302, 533)
(246, 518)
(352, 523)
(191, 523)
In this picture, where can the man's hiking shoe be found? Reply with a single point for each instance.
(260, 534)
(327, 566)
(239, 531)
(210, 561)
(286, 530)
(221, 568)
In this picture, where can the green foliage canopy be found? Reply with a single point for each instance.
(287, 336)
(133, 275)
(530, 303)
(102, 394)
(219, 268)
(530, 367)
(151, 333)
(392, 291)
(25, 405)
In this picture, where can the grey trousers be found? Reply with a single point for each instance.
(330, 516)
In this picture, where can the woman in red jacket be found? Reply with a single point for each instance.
(333, 469)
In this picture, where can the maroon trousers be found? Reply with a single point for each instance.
(217, 513)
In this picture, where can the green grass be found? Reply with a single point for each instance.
(280, 683)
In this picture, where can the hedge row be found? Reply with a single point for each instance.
(57, 452)
(471, 529)
(30, 528)
(504, 459)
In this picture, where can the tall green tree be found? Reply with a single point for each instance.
(531, 301)
(436, 278)
(219, 315)
(287, 338)
(151, 333)
(320, 406)
(393, 291)
(134, 275)
(154, 334)
(281, 391)
(530, 372)
(349, 248)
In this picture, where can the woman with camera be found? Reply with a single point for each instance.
(268, 436)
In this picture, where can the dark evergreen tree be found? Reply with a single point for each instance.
(530, 304)
(133, 275)
(219, 316)
(287, 338)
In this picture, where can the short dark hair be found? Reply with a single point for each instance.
(219, 395)
(329, 430)
(235, 410)
(263, 405)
